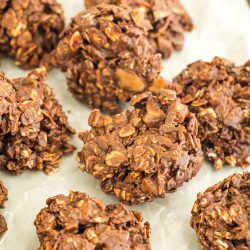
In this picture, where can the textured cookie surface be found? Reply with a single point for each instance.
(29, 30)
(221, 215)
(218, 92)
(143, 154)
(3, 199)
(167, 21)
(81, 222)
(34, 130)
(108, 57)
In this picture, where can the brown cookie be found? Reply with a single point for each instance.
(29, 30)
(81, 222)
(218, 93)
(8, 107)
(3, 199)
(167, 21)
(108, 57)
(143, 154)
(221, 215)
(34, 130)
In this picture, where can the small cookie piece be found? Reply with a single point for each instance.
(143, 154)
(3, 199)
(29, 30)
(108, 57)
(218, 92)
(81, 222)
(221, 215)
(167, 21)
(38, 133)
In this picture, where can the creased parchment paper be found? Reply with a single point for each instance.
(222, 28)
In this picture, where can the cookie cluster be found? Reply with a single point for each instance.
(34, 132)
(29, 30)
(218, 92)
(220, 215)
(112, 54)
(165, 20)
(108, 57)
(79, 222)
(143, 154)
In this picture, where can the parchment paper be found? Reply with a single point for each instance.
(222, 29)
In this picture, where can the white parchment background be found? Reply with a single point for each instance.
(222, 29)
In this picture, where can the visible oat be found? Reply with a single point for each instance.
(223, 222)
(143, 154)
(219, 94)
(29, 30)
(81, 222)
(167, 21)
(34, 130)
(3, 198)
(108, 57)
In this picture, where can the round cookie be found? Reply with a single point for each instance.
(3, 199)
(218, 93)
(29, 30)
(78, 221)
(221, 215)
(167, 21)
(36, 133)
(142, 154)
(108, 57)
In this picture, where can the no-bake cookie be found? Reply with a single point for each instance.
(3, 199)
(81, 222)
(34, 132)
(108, 57)
(221, 215)
(218, 93)
(29, 30)
(142, 154)
(167, 21)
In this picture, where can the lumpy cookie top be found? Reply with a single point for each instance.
(29, 29)
(108, 57)
(167, 20)
(221, 215)
(8, 107)
(218, 92)
(35, 131)
(145, 153)
(3, 199)
(81, 222)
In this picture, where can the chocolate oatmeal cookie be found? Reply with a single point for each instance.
(81, 222)
(3, 198)
(108, 57)
(218, 93)
(167, 21)
(29, 30)
(221, 215)
(34, 130)
(143, 154)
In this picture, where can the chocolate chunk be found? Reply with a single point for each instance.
(142, 154)
(34, 130)
(218, 92)
(220, 215)
(167, 21)
(81, 222)
(29, 30)
(3, 198)
(108, 57)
